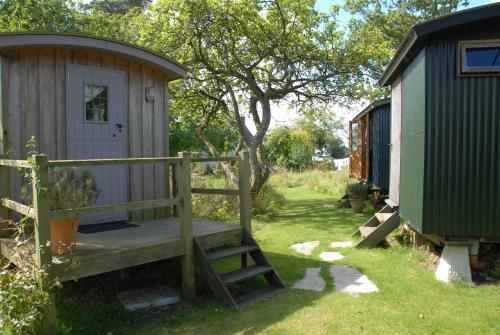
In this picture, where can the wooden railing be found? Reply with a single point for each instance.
(181, 200)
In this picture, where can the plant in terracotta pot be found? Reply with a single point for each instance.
(357, 194)
(67, 188)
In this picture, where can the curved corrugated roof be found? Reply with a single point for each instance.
(421, 32)
(371, 107)
(171, 68)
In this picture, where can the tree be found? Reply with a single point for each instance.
(36, 15)
(244, 55)
(115, 6)
(326, 131)
(379, 27)
(290, 148)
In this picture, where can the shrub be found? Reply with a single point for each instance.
(67, 188)
(289, 148)
(357, 190)
(267, 201)
(21, 301)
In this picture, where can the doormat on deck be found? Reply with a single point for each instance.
(106, 226)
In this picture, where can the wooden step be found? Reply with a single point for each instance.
(244, 273)
(231, 252)
(366, 230)
(382, 217)
(258, 295)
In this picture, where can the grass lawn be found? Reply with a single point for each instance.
(410, 300)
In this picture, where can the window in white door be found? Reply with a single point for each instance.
(96, 103)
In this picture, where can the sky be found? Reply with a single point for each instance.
(282, 115)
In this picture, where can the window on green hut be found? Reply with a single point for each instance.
(354, 136)
(480, 57)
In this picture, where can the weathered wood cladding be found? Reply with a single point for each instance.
(36, 106)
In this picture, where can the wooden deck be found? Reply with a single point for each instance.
(150, 241)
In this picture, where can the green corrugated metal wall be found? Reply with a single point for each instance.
(462, 157)
(413, 141)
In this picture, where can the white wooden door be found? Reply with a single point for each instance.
(96, 129)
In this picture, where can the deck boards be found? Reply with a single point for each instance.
(151, 241)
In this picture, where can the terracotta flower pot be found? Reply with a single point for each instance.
(357, 205)
(63, 234)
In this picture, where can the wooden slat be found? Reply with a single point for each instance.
(244, 273)
(30, 115)
(147, 115)
(215, 159)
(161, 184)
(378, 234)
(15, 163)
(365, 231)
(221, 191)
(244, 193)
(135, 96)
(47, 102)
(117, 161)
(131, 206)
(17, 207)
(63, 57)
(186, 219)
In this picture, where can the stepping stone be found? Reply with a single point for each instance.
(329, 206)
(345, 244)
(305, 248)
(330, 256)
(156, 296)
(312, 281)
(351, 281)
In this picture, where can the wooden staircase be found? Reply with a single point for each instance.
(220, 283)
(378, 227)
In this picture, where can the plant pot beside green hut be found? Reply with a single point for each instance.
(357, 193)
(67, 189)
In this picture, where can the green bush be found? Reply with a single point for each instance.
(289, 148)
(266, 202)
(226, 208)
(21, 301)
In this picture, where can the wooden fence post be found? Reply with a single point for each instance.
(186, 225)
(39, 177)
(4, 192)
(175, 188)
(244, 187)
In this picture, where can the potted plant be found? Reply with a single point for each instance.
(67, 189)
(357, 193)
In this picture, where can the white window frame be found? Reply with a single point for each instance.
(462, 56)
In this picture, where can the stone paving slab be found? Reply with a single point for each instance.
(312, 281)
(351, 281)
(305, 248)
(156, 296)
(330, 256)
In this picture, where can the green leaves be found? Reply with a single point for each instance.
(379, 27)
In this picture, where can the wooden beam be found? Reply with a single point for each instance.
(17, 207)
(15, 163)
(118, 161)
(220, 191)
(244, 192)
(215, 159)
(41, 211)
(186, 222)
(130, 206)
